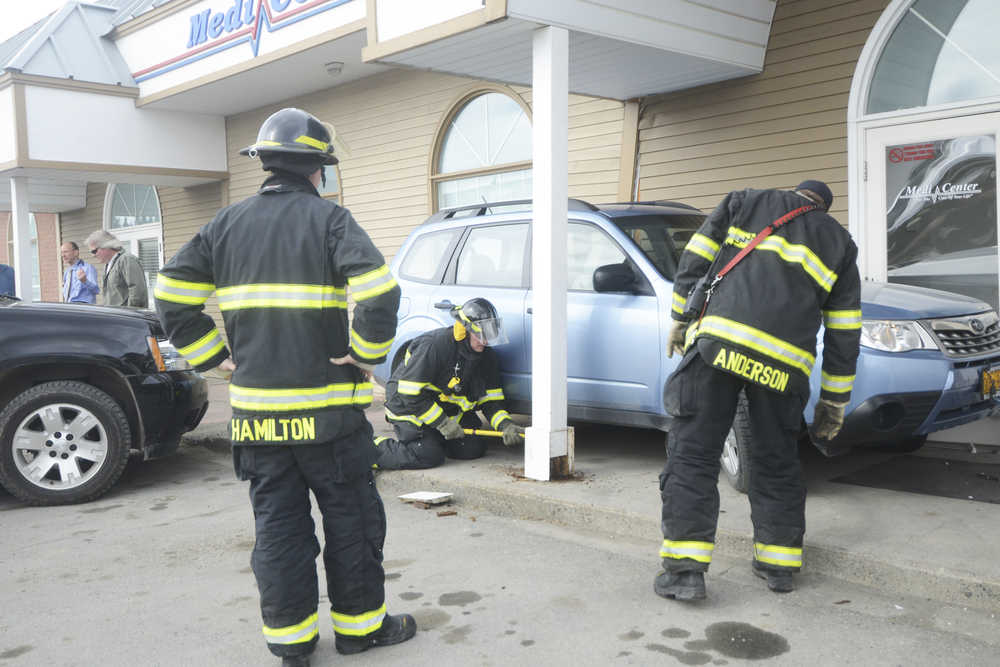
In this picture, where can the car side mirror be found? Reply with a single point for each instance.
(614, 278)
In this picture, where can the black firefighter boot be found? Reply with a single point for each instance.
(777, 580)
(686, 586)
(295, 661)
(394, 630)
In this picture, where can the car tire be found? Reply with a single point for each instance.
(735, 457)
(78, 413)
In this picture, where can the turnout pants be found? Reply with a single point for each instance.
(703, 402)
(284, 556)
(425, 447)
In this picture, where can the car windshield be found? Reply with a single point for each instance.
(661, 237)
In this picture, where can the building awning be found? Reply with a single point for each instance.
(620, 49)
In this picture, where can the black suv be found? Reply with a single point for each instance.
(81, 387)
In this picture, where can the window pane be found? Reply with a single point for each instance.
(490, 129)
(941, 227)
(426, 255)
(941, 51)
(494, 257)
(587, 248)
(332, 188)
(133, 205)
(505, 186)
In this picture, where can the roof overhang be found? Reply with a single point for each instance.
(619, 49)
(228, 56)
(61, 134)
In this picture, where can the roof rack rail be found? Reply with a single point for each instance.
(484, 209)
(657, 202)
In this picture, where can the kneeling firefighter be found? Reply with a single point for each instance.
(281, 263)
(446, 376)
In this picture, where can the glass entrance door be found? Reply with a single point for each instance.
(931, 203)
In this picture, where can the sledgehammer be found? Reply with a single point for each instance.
(479, 431)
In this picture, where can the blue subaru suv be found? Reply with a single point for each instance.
(930, 360)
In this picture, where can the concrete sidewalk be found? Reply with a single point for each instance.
(927, 546)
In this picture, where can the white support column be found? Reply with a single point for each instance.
(21, 261)
(548, 436)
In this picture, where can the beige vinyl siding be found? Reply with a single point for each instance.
(391, 122)
(184, 211)
(77, 225)
(772, 129)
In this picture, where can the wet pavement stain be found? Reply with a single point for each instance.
(458, 599)
(698, 645)
(510, 632)
(630, 635)
(528, 642)
(410, 596)
(676, 633)
(237, 601)
(158, 507)
(475, 534)
(84, 532)
(623, 654)
(211, 479)
(742, 640)
(457, 635)
(399, 562)
(428, 619)
(683, 657)
(16, 651)
(393, 575)
(98, 510)
(720, 662)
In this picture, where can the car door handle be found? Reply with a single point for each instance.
(529, 310)
(444, 305)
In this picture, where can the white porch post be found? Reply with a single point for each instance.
(21, 260)
(548, 436)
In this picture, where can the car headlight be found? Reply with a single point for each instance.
(895, 336)
(164, 352)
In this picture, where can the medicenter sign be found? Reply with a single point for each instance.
(213, 36)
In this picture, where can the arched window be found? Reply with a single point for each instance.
(332, 188)
(940, 52)
(484, 152)
(36, 274)
(132, 213)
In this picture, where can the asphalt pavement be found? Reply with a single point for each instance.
(928, 546)
(157, 574)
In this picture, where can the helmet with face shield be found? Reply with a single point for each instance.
(478, 317)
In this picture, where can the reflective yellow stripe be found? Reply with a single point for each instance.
(702, 246)
(498, 417)
(491, 395)
(315, 143)
(775, 555)
(456, 399)
(402, 418)
(279, 295)
(697, 551)
(293, 634)
(358, 625)
(793, 253)
(758, 340)
(678, 304)
(836, 383)
(368, 350)
(411, 388)
(204, 348)
(842, 319)
(432, 414)
(303, 398)
(371, 284)
(182, 291)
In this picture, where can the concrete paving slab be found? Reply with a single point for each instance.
(926, 546)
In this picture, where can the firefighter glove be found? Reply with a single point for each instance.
(512, 434)
(675, 343)
(828, 419)
(451, 429)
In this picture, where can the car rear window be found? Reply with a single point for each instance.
(425, 259)
(661, 237)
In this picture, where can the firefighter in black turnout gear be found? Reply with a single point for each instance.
(281, 263)
(446, 376)
(757, 334)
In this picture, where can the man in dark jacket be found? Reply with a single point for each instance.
(757, 335)
(280, 263)
(446, 376)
